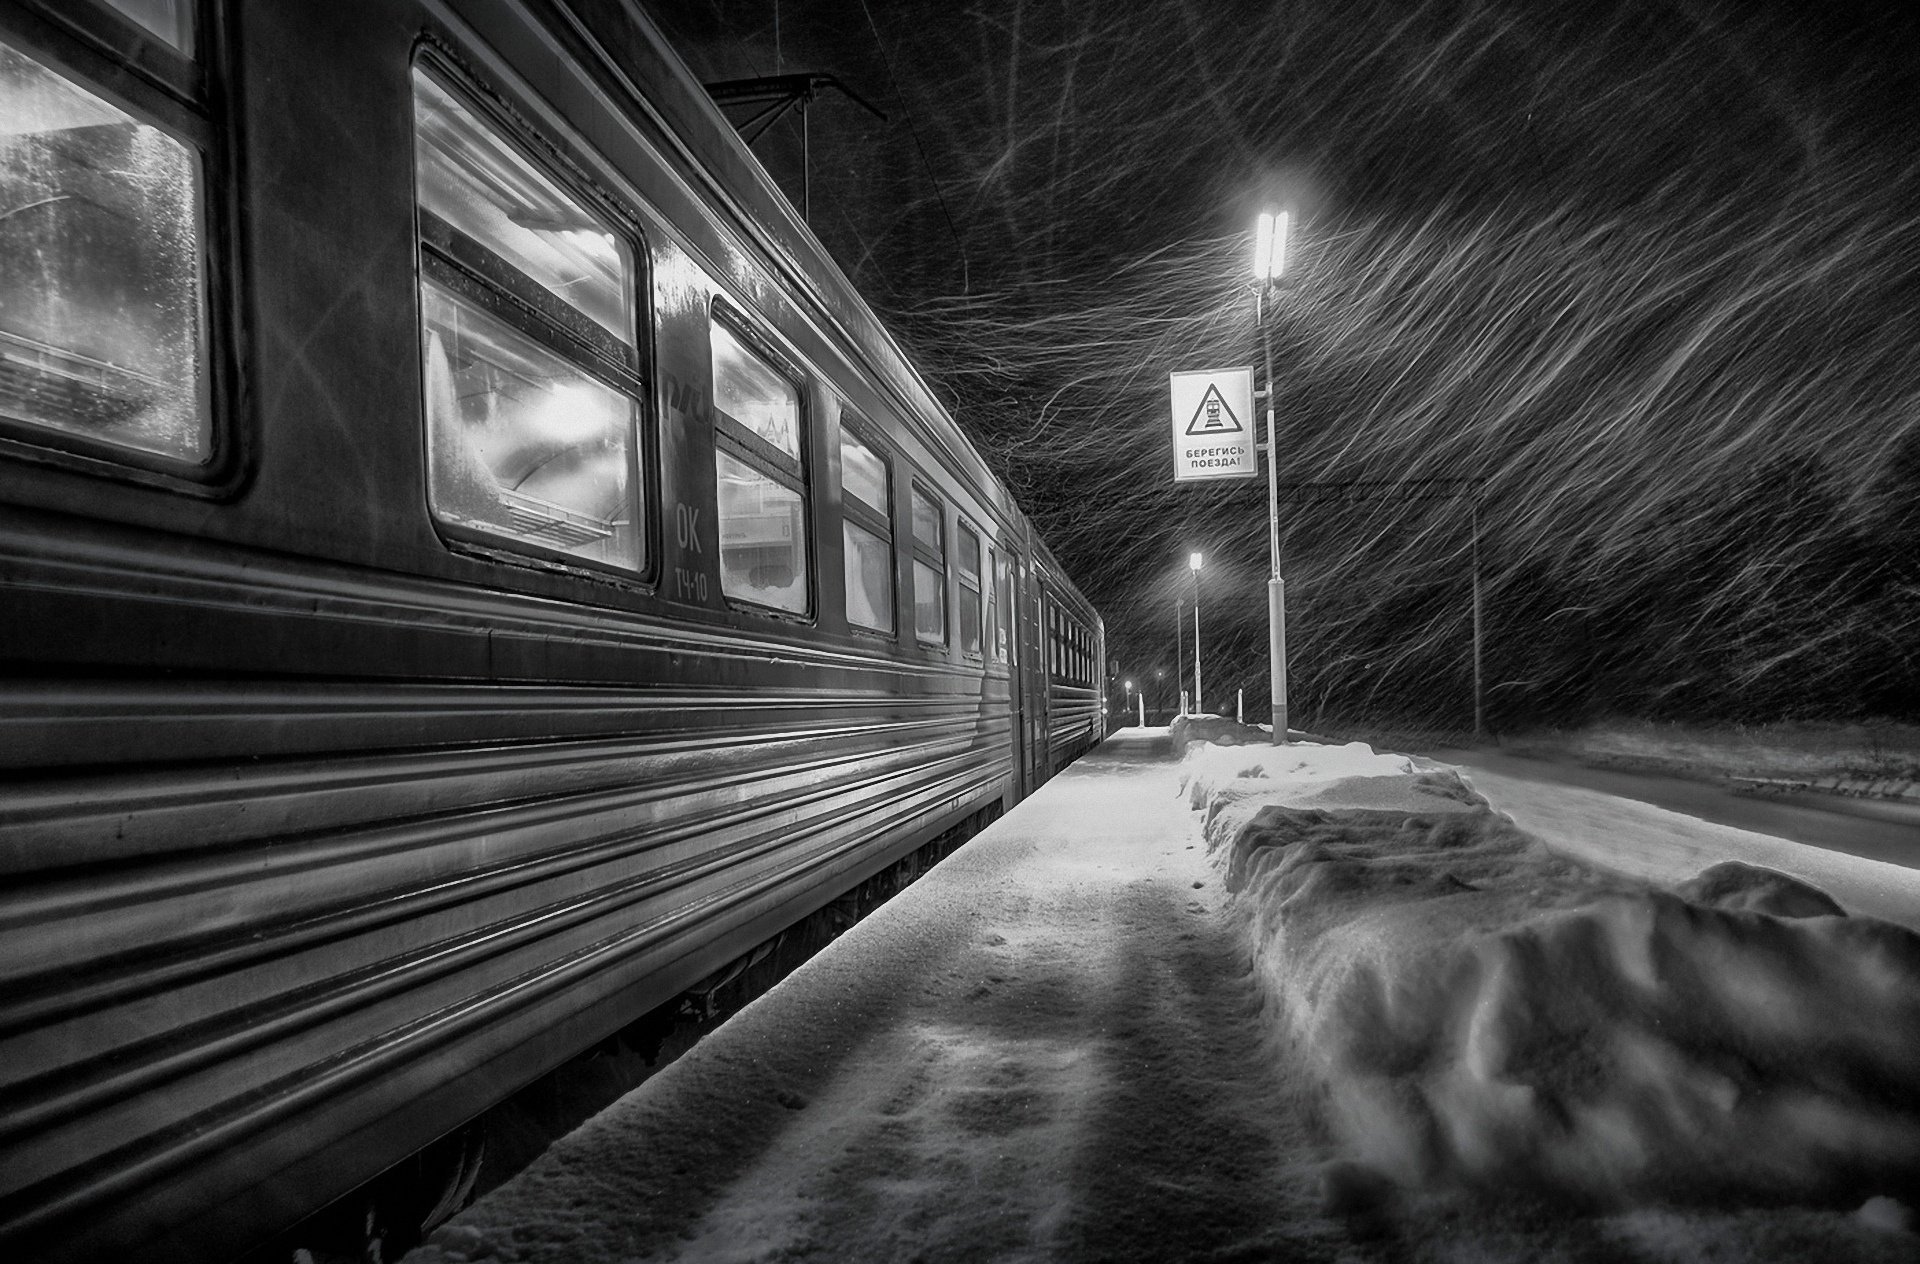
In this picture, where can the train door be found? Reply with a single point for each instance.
(1011, 618)
(1033, 676)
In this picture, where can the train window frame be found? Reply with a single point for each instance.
(107, 55)
(930, 557)
(186, 44)
(990, 595)
(458, 268)
(110, 31)
(1004, 642)
(857, 514)
(973, 628)
(735, 440)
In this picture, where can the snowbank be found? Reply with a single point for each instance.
(1480, 1013)
(1232, 784)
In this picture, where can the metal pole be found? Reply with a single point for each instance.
(1198, 706)
(1479, 695)
(1276, 589)
(1179, 650)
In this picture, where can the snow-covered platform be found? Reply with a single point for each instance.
(1069, 1042)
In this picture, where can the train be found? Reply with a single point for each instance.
(471, 566)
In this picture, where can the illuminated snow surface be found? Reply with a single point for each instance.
(1411, 1031)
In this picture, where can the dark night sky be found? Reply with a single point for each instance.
(1649, 271)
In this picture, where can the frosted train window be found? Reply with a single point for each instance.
(869, 565)
(754, 395)
(102, 278)
(480, 185)
(171, 20)
(524, 444)
(530, 378)
(760, 478)
(863, 475)
(867, 531)
(967, 612)
(763, 538)
(929, 568)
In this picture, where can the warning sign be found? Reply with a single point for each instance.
(1213, 425)
(1214, 416)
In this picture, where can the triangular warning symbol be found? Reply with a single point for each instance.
(1213, 416)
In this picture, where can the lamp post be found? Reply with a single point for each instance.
(1179, 649)
(1193, 564)
(1129, 688)
(1269, 264)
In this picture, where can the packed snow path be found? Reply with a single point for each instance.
(1046, 1049)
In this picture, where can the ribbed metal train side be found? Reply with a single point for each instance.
(239, 961)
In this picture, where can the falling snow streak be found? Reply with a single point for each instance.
(1650, 272)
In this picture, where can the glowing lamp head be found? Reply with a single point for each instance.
(1270, 246)
(1129, 686)
(1193, 562)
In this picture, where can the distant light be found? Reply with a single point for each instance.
(1193, 561)
(1129, 686)
(1270, 246)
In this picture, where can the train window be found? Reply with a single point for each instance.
(477, 183)
(754, 395)
(967, 568)
(531, 376)
(525, 445)
(863, 476)
(762, 485)
(867, 525)
(929, 568)
(171, 20)
(103, 327)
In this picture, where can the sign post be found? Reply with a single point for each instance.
(1213, 439)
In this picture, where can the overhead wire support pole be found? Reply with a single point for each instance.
(780, 93)
(1479, 683)
(1193, 564)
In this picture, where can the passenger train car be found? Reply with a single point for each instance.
(470, 566)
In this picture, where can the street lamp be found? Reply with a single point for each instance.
(1193, 564)
(1269, 265)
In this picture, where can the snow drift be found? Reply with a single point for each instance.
(1481, 1014)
